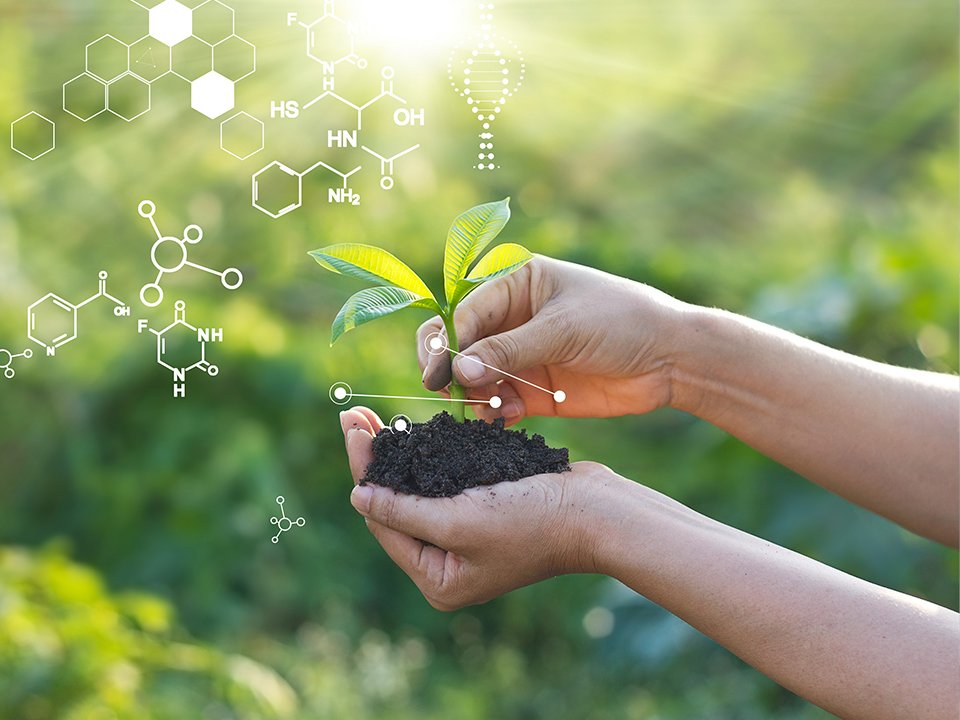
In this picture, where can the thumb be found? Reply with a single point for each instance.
(511, 351)
(420, 518)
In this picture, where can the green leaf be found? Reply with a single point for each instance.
(374, 303)
(502, 260)
(371, 264)
(468, 236)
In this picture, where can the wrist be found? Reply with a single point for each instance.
(699, 350)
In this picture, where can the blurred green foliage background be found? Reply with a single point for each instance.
(795, 161)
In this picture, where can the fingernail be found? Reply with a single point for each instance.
(511, 410)
(469, 368)
(360, 498)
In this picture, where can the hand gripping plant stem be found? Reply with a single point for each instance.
(399, 287)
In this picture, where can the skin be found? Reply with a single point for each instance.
(882, 437)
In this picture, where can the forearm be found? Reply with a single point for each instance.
(883, 437)
(858, 650)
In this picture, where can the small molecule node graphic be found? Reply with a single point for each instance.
(171, 254)
(6, 361)
(180, 363)
(284, 523)
(487, 76)
(52, 321)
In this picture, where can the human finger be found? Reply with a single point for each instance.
(424, 518)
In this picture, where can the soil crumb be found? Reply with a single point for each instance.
(442, 457)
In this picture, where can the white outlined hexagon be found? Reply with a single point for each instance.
(212, 95)
(48, 342)
(277, 166)
(217, 12)
(150, 59)
(89, 80)
(171, 22)
(191, 59)
(256, 128)
(24, 118)
(126, 78)
(224, 45)
(106, 68)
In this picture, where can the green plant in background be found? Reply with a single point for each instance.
(400, 287)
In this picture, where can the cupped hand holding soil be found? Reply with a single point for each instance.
(484, 542)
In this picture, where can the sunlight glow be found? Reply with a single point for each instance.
(416, 27)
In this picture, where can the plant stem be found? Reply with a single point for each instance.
(457, 391)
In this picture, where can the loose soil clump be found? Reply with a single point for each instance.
(442, 457)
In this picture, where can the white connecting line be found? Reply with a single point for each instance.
(436, 345)
(492, 402)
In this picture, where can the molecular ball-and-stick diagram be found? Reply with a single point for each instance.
(6, 361)
(487, 75)
(284, 523)
(171, 254)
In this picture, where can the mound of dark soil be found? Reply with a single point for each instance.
(443, 457)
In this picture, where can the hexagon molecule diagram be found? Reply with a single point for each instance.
(181, 367)
(241, 135)
(33, 135)
(212, 95)
(171, 22)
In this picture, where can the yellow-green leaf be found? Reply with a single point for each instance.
(372, 264)
(502, 260)
(374, 303)
(468, 236)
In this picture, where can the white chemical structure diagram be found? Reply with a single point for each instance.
(331, 41)
(199, 45)
(33, 135)
(487, 75)
(52, 322)
(284, 523)
(6, 361)
(171, 254)
(194, 354)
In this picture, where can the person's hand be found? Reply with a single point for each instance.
(606, 342)
(485, 542)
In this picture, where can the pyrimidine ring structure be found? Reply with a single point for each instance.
(170, 255)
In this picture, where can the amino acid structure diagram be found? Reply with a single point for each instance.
(284, 523)
(331, 42)
(170, 255)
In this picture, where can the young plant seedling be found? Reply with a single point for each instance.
(400, 287)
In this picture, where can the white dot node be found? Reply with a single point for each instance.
(559, 396)
(495, 402)
(340, 393)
